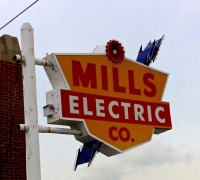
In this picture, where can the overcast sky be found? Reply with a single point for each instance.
(68, 26)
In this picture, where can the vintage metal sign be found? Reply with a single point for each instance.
(119, 104)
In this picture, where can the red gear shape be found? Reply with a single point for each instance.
(115, 51)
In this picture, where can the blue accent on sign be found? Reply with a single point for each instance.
(149, 54)
(87, 153)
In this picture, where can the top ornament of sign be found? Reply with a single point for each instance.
(115, 51)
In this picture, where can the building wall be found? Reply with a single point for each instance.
(15, 167)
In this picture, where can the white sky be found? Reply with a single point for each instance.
(68, 26)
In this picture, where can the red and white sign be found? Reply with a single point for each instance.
(95, 107)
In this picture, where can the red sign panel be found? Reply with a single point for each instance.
(110, 109)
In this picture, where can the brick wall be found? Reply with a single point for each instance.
(15, 167)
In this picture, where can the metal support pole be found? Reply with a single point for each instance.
(30, 104)
(42, 62)
(45, 129)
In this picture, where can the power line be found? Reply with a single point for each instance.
(18, 15)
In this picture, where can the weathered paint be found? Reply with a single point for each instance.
(30, 104)
(45, 129)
